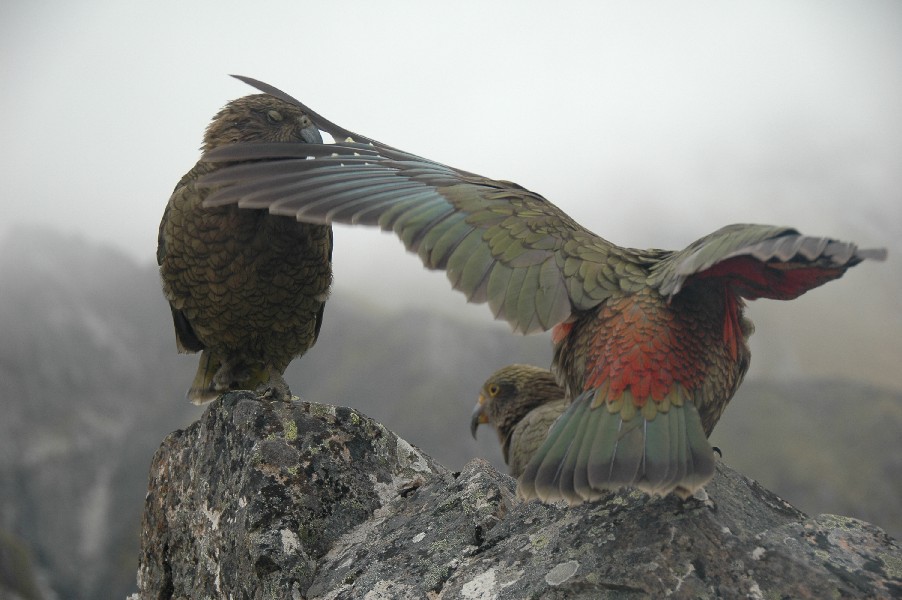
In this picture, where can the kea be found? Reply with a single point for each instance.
(520, 402)
(247, 289)
(649, 345)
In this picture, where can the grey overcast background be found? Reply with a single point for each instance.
(652, 123)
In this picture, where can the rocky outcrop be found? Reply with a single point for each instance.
(263, 499)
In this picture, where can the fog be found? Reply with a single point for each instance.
(651, 123)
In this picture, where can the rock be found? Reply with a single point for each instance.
(262, 499)
(254, 493)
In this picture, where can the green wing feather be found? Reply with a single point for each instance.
(761, 261)
(498, 242)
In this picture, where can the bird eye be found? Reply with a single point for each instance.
(494, 389)
(274, 116)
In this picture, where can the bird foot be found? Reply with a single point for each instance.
(275, 390)
(231, 375)
(265, 380)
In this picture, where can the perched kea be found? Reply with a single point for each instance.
(650, 345)
(246, 289)
(520, 402)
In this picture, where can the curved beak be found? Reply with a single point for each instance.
(311, 135)
(478, 416)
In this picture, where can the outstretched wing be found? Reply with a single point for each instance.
(498, 242)
(761, 261)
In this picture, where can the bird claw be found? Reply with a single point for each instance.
(274, 393)
(275, 389)
(266, 381)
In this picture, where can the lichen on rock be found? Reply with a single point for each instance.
(263, 499)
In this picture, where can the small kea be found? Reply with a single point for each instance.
(520, 402)
(247, 289)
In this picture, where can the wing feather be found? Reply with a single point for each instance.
(760, 261)
(496, 288)
(499, 242)
(531, 262)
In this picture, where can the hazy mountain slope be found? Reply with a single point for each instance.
(826, 446)
(90, 383)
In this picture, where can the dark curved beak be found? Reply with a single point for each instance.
(311, 135)
(478, 416)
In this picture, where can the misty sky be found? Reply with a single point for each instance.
(652, 123)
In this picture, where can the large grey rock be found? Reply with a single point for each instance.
(263, 499)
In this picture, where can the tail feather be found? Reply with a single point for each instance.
(679, 450)
(539, 479)
(569, 468)
(202, 389)
(590, 450)
(662, 452)
(690, 455)
(626, 464)
(582, 489)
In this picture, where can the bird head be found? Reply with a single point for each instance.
(260, 118)
(509, 394)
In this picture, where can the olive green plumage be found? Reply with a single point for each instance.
(649, 345)
(246, 289)
(520, 402)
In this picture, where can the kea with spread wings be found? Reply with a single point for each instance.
(649, 345)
